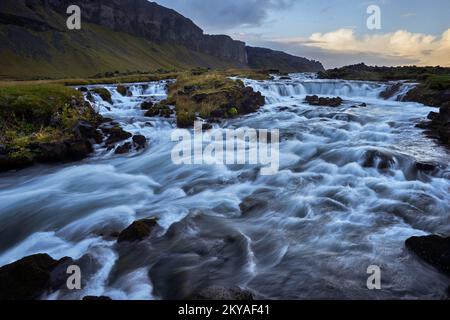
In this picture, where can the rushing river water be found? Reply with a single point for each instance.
(347, 195)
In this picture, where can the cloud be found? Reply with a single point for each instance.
(419, 48)
(222, 15)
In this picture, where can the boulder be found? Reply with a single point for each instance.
(426, 166)
(433, 249)
(124, 148)
(139, 141)
(78, 149)
(378, 159)
(115, 134)
(251, 101)
(29, 278)
(138, 230)
(104, 94)
(323, 101)
(391, 90)
(159, 111)
(122, 90)
(222, 293)
(67, 150)
(146, 105)
(86, 130)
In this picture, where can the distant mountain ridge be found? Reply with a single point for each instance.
(119, 35)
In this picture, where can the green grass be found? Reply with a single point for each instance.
(91, 51)
(35, 101)
(441, 82)
(45, 113)
(209, 94)
(435, 75)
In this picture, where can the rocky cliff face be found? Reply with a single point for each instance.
(34, 32)
(155, 23)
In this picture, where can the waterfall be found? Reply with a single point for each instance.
(299, 86)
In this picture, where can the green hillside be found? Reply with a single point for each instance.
(92, 50)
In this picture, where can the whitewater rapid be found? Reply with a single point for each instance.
(348, 194)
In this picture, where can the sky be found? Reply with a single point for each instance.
(335, 32)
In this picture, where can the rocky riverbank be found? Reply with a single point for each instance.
(438, 122)
(51, 123)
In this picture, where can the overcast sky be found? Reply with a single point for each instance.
(332, 31)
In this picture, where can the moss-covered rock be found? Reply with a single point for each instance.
(211, 95)
(185, 119)
(45, 123)
(104, 94)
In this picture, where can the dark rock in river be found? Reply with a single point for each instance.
(104, 94)
(221, 293)
(86, 130)
(378, 159)
(250, 203)
(251, 101)
(200, 252)
(68, 150)
(139, 141)
(93, 298)
(28, 278)
(124, 148)
(159, 110)
(323, 101)
(426, 166)
(433, 249)
(124, 91)
(115, 133)
(146, 105)
(391, 90)
(138, 230)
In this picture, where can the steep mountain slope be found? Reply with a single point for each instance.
(116, 35)
(262, 58)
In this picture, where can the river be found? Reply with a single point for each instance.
(347, 195)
